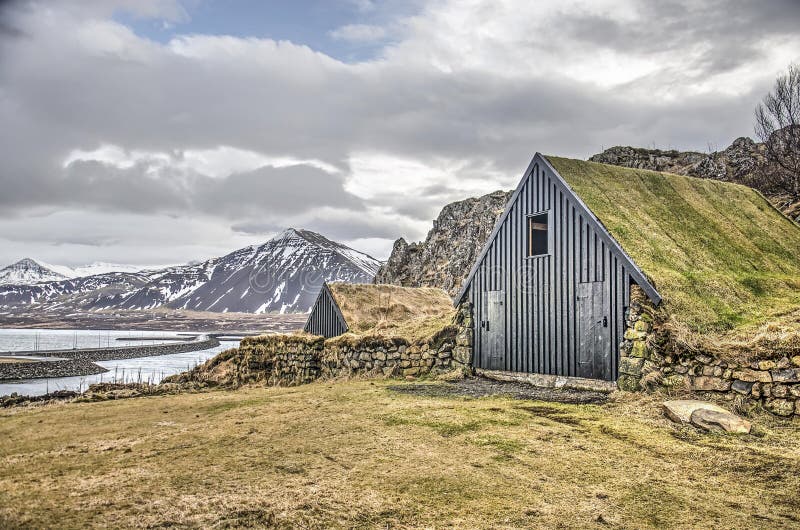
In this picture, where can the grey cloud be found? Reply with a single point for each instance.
(288, 190)
(355, 227)
(101, 186)
(419, 209)
(63, 239)
(58, 94)
(336, 228)
(733, 29)
(8, 30)
(90, 241)
(257, 228)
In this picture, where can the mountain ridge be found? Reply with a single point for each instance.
(282, 275)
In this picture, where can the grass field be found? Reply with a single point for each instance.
(356, 454)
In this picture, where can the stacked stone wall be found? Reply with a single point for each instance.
(300, 359)
(649, 361)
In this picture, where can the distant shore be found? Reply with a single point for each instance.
(157, 320)
(71, 363)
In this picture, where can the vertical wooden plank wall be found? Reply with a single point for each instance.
(541, 327)
(325, 318)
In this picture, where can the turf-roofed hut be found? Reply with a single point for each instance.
(581, 244)
(363, 310)
(325, 319)
(375, 330)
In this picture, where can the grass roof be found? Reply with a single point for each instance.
(413, 313)
(722, 257)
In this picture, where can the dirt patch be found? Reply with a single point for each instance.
(478, 387)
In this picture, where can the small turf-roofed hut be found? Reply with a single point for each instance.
(326, 318)
(379, 310)
(552, 285)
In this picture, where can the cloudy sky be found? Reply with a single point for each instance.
(163, 131)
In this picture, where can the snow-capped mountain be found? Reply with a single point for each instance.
(101, 267)
(28, 272)
(283, 275)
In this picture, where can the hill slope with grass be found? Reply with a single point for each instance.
(721, 255)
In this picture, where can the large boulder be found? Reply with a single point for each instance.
(712, 420)
(680, 410)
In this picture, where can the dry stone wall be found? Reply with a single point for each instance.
(299, 359)
(648, 362)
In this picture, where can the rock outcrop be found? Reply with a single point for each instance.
(444, 259)
(711, 420)
(680, 410)
(743, 162)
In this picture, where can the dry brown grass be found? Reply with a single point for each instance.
(415, 314)
(772, 340)
(13, 360)
(356, 455)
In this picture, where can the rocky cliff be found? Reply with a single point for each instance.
(444, 259)
(743, 162)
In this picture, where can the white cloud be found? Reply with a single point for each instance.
(376, 175)
(220, 162)
(100, 37)
(613, 44)
(359, 33)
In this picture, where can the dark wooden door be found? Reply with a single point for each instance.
(594, 337)
(493, 344)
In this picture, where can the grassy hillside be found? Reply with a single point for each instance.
(358, 455)
(719, 253)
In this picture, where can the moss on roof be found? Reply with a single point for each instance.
(722, 257)
(415, 314)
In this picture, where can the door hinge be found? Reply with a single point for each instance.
(605, 322)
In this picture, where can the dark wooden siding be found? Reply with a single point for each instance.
(325, 319)
(541, 330)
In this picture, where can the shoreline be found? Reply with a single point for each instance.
(72, 363)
